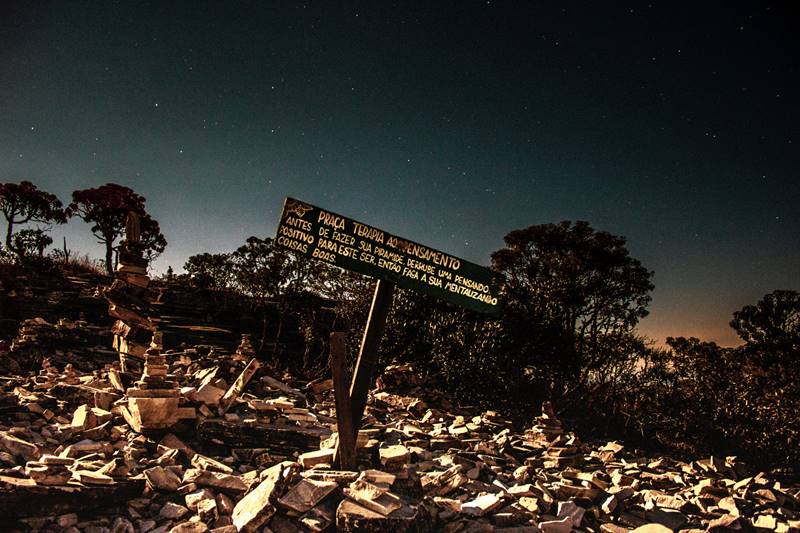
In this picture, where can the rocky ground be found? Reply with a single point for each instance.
(255, 455)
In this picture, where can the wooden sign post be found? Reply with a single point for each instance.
(313, 232)
(345, 454)
(350, 407)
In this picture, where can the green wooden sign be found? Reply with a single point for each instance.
(347, 243)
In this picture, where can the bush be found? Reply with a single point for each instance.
(706, 399)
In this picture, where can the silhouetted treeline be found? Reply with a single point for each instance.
(106, 208)
(567, 333)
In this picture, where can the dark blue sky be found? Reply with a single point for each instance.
(675, 125)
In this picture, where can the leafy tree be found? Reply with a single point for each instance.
(107, 208)
(29, 242)
(271, 274)
(517, 359)
(573, 297)
(706, 365)
(23, 202)
(258, 268)
(571, 278)
(153, 241)
(214, 271)
(729, 402)
(459, 346)
(352, 293)
(771, 328)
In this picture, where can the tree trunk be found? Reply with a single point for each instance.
(278, 334)
(66, 252)
(307, 357)
(9, 231)
(263, 329)
(109, 255)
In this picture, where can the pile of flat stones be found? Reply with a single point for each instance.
(254, 452)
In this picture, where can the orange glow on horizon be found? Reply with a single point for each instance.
(723, 336)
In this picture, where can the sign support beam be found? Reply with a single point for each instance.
(365, 367)
(316, 233)
(345, 458)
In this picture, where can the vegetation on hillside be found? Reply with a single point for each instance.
(574, 296)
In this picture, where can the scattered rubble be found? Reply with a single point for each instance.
(201, 440)
(265, 464)
(76, 343)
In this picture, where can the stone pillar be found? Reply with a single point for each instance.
(245, 351)
(153, 400)
(129, 299)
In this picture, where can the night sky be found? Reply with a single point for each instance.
(675, 125)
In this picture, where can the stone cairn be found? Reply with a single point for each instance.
(546, 428)
(245, 350)
(129, 299)
(153, 399)
(561, 449)
(49, 375)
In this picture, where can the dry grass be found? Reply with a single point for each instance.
(85, 264)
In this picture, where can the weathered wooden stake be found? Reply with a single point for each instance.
(345, 457)
(367, 357)
(238, 386)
